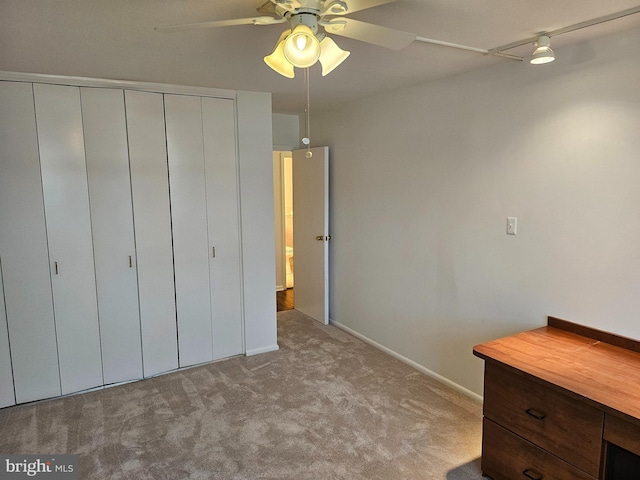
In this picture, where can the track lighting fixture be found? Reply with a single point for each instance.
(543, 52)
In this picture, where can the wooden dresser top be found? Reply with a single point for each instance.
(596, 366)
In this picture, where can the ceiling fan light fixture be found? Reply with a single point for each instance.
(543, 53)
(277, 61)
(331, 55)
(302, 48)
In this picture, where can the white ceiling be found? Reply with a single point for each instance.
(116, 39)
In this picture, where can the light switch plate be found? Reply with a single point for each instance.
(512, 225)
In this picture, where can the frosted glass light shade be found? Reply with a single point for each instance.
(302, 48)
(331, 55)
(543, 52)
(277, 61)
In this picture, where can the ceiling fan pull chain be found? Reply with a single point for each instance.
(307, 139)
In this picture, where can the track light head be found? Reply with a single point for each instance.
(543, 52)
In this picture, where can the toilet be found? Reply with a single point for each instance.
(289, 265)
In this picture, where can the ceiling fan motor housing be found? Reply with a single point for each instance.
(309, 19)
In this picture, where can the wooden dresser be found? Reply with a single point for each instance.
(558, 402)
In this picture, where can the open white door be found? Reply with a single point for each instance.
(311, 232)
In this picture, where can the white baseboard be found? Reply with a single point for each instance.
(411, 363)
(258, 351)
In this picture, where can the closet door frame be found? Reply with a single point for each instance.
(254, 142)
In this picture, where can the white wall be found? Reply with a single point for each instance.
(422, 181)
(258, 243)
(286, 131)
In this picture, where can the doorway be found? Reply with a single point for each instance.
(285, 300)
(283, 208)
(309, 174)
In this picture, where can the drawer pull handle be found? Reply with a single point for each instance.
(531, 474)
(535, 414)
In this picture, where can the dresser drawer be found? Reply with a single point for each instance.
(569, 429)
(505, 456)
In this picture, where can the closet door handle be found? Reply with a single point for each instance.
(130, 262)
(56, 267)
(213, 252)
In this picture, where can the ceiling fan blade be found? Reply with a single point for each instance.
(370, 33)
(262, 20)
(354, 5)
(268, 8)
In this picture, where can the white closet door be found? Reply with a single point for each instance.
(105, 139)
(23, 244)
(190, 242)
(218, 116)
(7, 394)
(152, 220)
(66, 200)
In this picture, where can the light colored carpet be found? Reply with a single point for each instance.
(325, 406)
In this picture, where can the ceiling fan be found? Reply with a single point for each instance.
(303, 44)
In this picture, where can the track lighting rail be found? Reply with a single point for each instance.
(570, 28)
(467, 48)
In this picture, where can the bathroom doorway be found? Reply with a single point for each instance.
(283, 208)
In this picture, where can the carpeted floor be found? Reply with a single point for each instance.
(325, 406)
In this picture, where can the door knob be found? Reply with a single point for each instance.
(320, 238)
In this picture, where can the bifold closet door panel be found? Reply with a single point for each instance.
(23, 244)
(221, 167)
(7, 394)
(152, 221)
(66, 200)
(105, 139)
(190, 241)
